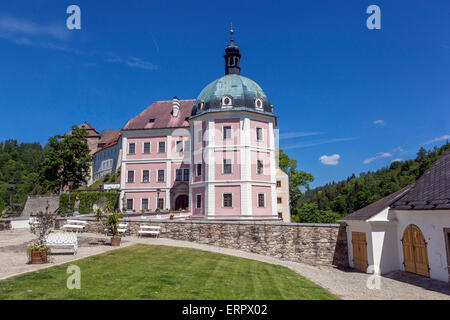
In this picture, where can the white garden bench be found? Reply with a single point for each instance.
(75, 224)
(155, 230)
(33, 222)
(62, 239)
(122, 228)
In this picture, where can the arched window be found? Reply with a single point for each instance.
(258, 104)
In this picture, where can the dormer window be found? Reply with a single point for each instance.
(258, 104)
(200, 105)
(226, 102)
(151, 120)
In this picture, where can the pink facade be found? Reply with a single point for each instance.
(138, 169)
(219, 126)
(150, 195)
(139, 148)
(267, 194)
(264, 138)
(235, 191)
(264, 159)
(234, 157)
(200, 191)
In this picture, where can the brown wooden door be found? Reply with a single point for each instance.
(415, 254)
(359, 251)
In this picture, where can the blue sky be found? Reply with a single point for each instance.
(353, 97)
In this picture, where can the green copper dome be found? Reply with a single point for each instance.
(243, 93)
(232, 91)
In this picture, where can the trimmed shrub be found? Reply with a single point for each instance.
(87, 200)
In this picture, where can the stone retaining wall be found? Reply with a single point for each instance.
(319, 244)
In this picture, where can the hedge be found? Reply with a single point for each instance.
(87, 200)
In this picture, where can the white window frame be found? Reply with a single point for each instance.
(262, 167)
(165, 147)
(134, 176)
(223, 132)
(157, 203)
(223, 199)
(132, 203)
(262, 134)
(175, 174)
(264, 199)
(157, 177)
(196, 201)
(129, 144)
(150, 147)
(223, 166)
(142, 175)
(142, 203)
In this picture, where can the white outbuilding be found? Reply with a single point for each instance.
(408, 230)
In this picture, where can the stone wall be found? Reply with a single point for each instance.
(318, 244)
(38, 203)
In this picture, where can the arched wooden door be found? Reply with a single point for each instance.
(415, 254)
(181, 202)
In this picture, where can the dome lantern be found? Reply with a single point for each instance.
(232, 57)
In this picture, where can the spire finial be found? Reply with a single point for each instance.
(231, 30)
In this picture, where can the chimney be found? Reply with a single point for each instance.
(175, 107)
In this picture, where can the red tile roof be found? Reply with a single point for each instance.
(108, 135)
(161, 112)
(108, 144)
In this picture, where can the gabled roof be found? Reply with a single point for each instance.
(108, 135)
(161, 112)
(431, 190)
(374, 208)
(91, 132)
(108, 144)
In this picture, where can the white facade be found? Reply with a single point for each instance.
(384, 233)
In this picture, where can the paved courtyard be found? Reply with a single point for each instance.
(347, 284)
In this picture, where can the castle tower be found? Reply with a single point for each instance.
(233, 148)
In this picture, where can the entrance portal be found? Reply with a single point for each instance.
(182, 202)
(415, 254)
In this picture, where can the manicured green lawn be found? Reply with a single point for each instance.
(161, 272)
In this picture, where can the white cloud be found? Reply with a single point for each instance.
(316, 143)
(379, 155)
(379, 122)
(444, 137)
(289, 135)
(10, 26)
(396, 159)
(133, 62)
(330, 160)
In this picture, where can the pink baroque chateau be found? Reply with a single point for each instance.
(213, 156)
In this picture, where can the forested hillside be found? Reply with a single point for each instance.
(334, 200)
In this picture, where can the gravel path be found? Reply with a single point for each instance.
(347, 284)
